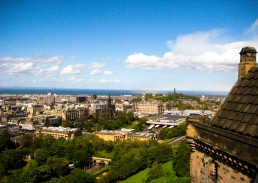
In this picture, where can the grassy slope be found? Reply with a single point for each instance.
(139, 177)
(169, 177)
(142, 175)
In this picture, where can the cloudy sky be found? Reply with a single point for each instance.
(136, 44)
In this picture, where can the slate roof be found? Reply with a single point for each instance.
(239, 113)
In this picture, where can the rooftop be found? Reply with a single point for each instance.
(239, 113)
(59, 129)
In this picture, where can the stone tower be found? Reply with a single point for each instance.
(247, 60)
(143, 97)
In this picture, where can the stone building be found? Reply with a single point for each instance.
(59, 132)
(153, 107)
(125, 134)
(34, 110)
(225, 149)
(149, 107)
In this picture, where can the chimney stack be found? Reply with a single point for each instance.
(247, 60)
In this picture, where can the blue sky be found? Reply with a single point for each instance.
(136, 44)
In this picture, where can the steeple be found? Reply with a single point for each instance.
(247, 60)
(109, 100)
(110, 108)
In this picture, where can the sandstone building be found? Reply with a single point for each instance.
(59, 132)
(124, 134)
(149, 107)
(225, 149)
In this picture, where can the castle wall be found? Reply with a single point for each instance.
(205, 169)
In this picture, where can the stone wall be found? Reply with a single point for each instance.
(204, 169)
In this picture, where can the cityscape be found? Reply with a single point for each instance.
(128, 91)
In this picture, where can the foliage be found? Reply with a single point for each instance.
(48, 141)
(41, 155)
(141, 124)
(136, 100)
(5, 141)
(76, 176)
(58, 147)
(26, 140)
(130, 163)
(100, 144)
(84, 151)
(67, 123)
(36, 143)
(141, 176)
(79, 176)
(27, 174)
(155, 172)
(182, 160)
(177, 97)
(161, 153)
(177, 131)
(174, 179)
(58, 165)
(2, 169)
(133, 156)
(42, 173)
(97, 122)
(12, 159)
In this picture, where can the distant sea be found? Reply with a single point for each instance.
(17, 91)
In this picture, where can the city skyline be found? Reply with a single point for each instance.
(138, 45)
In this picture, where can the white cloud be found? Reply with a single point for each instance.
(96, 65)
(17, 68)
(34, 59)
(109, 81)
(35, 65)
(95, 72)
(108, 73)
(139, 60)
(203, 51)
(21, 67)
(53, 68)
(75, 79)
(73, 69)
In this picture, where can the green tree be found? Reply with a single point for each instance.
(136, 100)
(177, 131)
(12, 159)
(26, 140)
(48, 141)
(5, 141)
(161, 153)
(67, 123)
(78, 176)
(42, 173)
(155, 172)
(134, 160)
(36, 143)
(182, 160)
(3, 171)
(142, 124)
(58, 147)
(163, 133)
(84, 151)
(41, 156)
(58, 165)
(27, 174)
